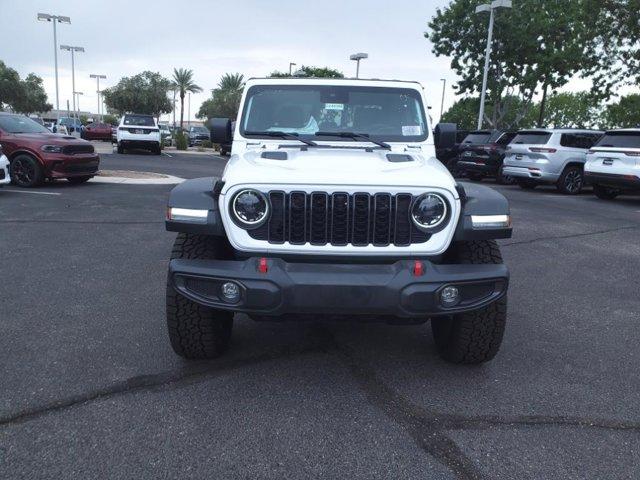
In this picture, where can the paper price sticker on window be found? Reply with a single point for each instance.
(334, 106)
(411, 130)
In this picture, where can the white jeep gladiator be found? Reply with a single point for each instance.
(333, 205)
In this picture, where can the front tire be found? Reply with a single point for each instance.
(195, 331)
(26, 171)
(605, 193)
(472, 337)
(120, 149)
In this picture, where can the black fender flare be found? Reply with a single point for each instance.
(196, 194)
(480, 200)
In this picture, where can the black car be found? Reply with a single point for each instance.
(481, 155)
(448, 156)
(197, 135)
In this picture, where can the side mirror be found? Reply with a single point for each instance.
(445, 135)
(220, 130)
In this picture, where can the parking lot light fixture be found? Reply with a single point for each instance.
(54, 19)
(71, 49)
(491, 8)
(357, 57)
(291, 65)
(444, 86)
(98, 77)
(77, 94)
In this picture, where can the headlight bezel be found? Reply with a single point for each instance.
(51, 148)
(438, 226)
(242, 223)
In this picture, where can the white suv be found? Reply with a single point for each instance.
(138, 131)
(5, 178)
(550, 156)
(613, 164)
(333, 205)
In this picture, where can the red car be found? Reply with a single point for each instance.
(36, 154)
(97, 131)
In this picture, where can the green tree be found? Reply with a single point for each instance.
(143, 93)
(9, 85)
(183, 83)
(225, 98)
(314, 72)
(616, 54)
(625, 113)
(464, 113)
(110, 119)
(32, 97)
(572, 110)
(538, 46)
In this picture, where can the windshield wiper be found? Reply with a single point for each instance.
(285, 135)
(354, 136)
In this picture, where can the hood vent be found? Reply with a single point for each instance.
(399, 157)
(274, 155)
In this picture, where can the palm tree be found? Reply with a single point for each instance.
(183, 81)
(231, 82)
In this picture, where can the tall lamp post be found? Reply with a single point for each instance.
(98, 77)
(45, 17)
(291, 65)
(357, 57)
(71, 49)
(444, 86)
(77, 113)
(491, 8)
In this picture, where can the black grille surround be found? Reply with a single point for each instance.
(77, 149)
(340, 219)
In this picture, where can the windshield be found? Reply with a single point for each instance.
(532, 138)
(620, 140)
(199, 130)
(392, 114)
(139, 120)
(477, 137)
(20, 124)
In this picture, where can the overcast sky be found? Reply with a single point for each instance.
(253, 37)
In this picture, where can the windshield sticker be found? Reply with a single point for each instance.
(411, 130)
(334, 106)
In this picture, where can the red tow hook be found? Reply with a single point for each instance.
(418, 268)
(262, 265)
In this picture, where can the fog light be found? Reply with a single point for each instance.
(449, 296)
(230, 292)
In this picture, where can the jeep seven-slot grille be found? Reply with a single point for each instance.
(340, 219)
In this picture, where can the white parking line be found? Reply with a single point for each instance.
(30, 191)
(168, 154)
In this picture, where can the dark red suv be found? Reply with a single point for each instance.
(36, 154)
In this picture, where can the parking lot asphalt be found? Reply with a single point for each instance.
(89, 386)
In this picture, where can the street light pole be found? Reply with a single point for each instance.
(98, 77)
(78, 103)
(291, 65)
(491, 8)
(444, 86)
(357, 57)
(189, 111)
(73, 69)
(45, 17)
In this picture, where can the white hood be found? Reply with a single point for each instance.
(335, 166)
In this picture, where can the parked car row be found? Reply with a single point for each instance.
(566, 158)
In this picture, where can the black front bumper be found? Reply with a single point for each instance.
(625, 182)
(333, 289)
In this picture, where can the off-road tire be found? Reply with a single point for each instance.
(77, 180)
(120, 149)
(526, 184)
(26, 171)
(605, 193)
(571, 180)
(473, 337)
(505, 179)
(195, 331)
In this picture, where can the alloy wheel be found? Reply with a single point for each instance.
(573, 181)
(23, 172)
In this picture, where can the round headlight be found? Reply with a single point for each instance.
(429, 210)
(250, 208)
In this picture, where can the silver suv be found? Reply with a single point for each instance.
(550, 156)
